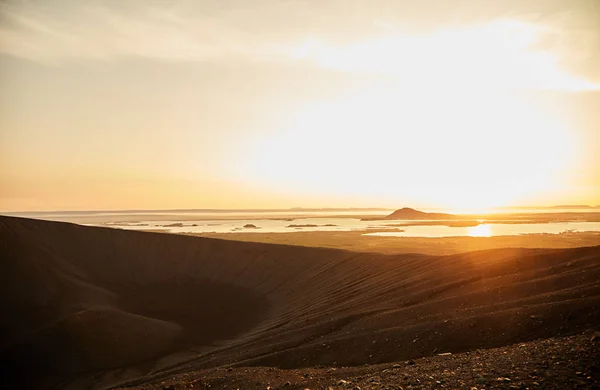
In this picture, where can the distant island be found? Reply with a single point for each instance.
(308, 225)
(407, 213)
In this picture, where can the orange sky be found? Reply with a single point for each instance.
(263, 104)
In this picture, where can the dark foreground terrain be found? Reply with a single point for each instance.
(88, 307)
(556, 363)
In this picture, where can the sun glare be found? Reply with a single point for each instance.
(450, 128)
(455, 149)
(480, 231)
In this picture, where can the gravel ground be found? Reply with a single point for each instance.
(556, 363)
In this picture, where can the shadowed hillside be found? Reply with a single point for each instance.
(82, 300)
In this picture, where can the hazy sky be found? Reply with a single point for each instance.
(249, 104)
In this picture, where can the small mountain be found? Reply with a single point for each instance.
(408, 213)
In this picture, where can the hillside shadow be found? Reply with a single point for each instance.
(207, 311)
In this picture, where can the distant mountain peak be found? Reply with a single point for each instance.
(410, 213)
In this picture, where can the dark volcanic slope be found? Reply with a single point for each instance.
(571, 362)
(79, 300)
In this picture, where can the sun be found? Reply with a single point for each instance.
(449, 124)
(467, 151)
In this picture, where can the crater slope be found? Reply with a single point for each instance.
(96, 307)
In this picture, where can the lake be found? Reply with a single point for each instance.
(374, 228)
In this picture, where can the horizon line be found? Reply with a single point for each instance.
(308, 209)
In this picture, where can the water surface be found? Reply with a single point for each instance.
(371, 228)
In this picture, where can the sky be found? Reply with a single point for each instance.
(297, 103)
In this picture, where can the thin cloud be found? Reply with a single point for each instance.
(94, 32)
(497, 54)
(325, 35)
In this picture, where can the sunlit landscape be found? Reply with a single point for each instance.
(300, 194)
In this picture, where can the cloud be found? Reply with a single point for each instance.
(389, 38)
(496, 54)
(40, 32)
(58, 31)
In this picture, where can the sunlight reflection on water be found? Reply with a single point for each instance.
(394, 228)
(480, 231)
